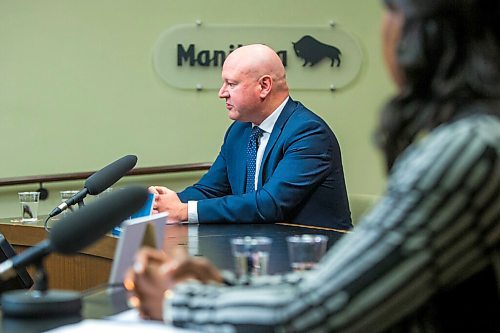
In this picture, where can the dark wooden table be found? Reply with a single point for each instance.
(213, 241)
(210, 241)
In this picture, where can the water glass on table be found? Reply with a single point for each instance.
(29, 206)
(251, 255)
(65, 195)
(305, 251)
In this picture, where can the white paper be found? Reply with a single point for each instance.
(124, 322)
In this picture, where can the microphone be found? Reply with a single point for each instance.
(82, 228)
(99, 181)
(71, 234)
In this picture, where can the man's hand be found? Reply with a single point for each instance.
(168, 201)
(154, 273)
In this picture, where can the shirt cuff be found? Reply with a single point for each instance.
(193, 211)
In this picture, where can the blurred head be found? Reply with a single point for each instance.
(392, 23)
(444, 57)
(253, 83)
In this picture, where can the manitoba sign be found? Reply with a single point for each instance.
(191, 56)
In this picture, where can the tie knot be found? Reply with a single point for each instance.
(257, 132)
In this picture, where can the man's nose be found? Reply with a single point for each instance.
(223, 92)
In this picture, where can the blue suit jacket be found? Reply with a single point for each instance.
(301, 178)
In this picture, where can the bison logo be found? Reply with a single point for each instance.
(313, 51)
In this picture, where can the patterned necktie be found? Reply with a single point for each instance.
(253, 145)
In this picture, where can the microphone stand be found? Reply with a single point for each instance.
(42, 278)
(40, 301)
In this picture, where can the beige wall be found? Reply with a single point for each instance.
(78, 89)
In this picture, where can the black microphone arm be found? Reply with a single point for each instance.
(81, 228)
(32, 254)
(68, 203)
(99, 181)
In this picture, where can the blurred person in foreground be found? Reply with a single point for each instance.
(426, 258)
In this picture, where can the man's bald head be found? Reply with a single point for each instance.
(258, 60)
(254, 83)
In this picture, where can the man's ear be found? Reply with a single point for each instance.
(266, 84)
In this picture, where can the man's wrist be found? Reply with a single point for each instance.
(185, 212)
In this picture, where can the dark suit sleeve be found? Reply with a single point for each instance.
(298, 163)
(214, 183)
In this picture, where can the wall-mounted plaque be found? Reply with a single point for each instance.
(191, 56)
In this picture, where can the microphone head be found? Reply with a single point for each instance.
(110, 174)
(86, 225)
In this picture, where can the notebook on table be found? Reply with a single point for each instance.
(136, 232)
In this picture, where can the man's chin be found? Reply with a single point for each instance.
(233, 115)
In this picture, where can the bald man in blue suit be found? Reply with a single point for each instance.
(298, 169)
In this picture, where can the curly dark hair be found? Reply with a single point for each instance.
(449, 55)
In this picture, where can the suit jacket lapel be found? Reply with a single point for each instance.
(288, 110)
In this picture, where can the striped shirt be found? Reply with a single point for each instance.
(436, 225)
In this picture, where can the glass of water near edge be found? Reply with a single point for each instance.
(305, 251)
(251, 255)
(29, 206)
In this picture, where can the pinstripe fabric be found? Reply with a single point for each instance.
(436, 225)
